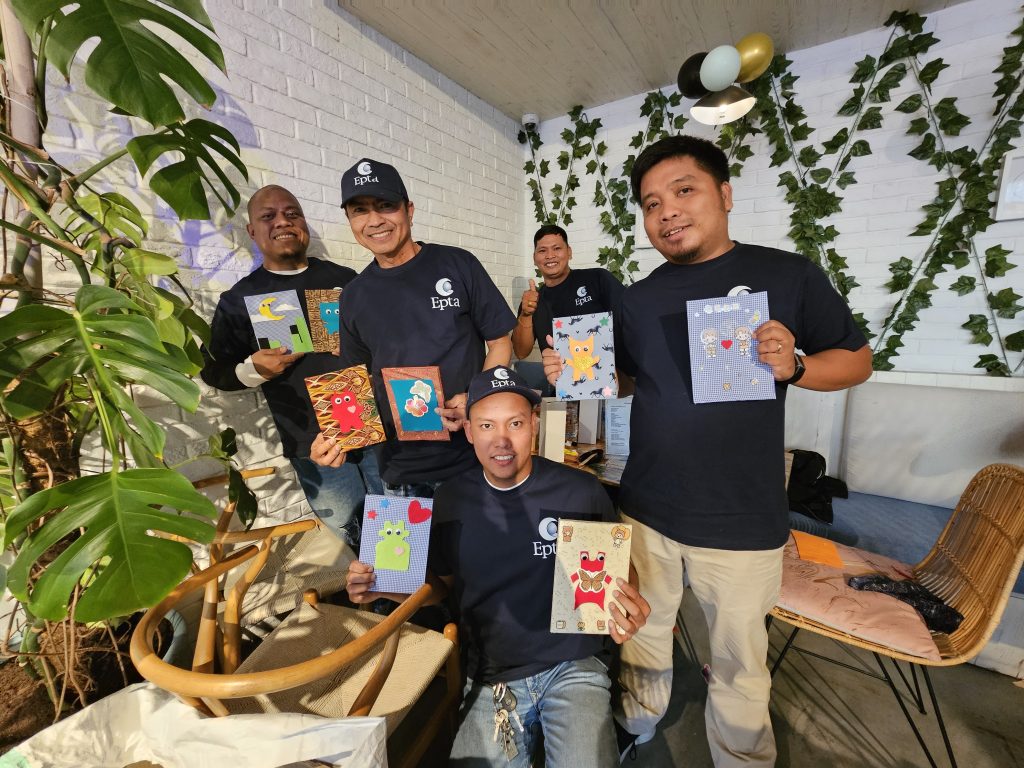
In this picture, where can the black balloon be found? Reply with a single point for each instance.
(689, 77)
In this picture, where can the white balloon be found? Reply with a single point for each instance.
(720, 68)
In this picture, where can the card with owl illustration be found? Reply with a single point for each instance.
(278, 321)
(414, 394)
(395, 540)
(345, 408)
(324, 317)
(587, 344)
(590, 556)
(723, 351)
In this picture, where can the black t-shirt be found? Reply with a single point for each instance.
(436, 309)
(583, 292)
(711, 475)
(232, 340)
(500, 548)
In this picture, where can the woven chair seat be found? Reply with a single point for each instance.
(312, 631)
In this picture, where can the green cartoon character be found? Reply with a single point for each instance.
(393, 549)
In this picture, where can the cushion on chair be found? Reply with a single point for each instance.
(314, 631)
(820, 593)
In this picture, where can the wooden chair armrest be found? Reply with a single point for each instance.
(368, 695)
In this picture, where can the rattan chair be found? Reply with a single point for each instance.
(972, 567)
(322, 659)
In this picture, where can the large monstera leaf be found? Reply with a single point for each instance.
(132, 61)
(119, 562)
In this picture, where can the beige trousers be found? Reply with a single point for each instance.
(735, 590)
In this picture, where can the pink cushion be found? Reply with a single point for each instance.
(820, 593)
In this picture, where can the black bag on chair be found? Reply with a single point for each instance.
(810, 490)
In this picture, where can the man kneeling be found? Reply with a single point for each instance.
(491, 547)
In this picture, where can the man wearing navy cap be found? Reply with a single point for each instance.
(415, 304)
(491, 546)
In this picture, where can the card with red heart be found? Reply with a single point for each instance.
(344, 407)
(724, 366)
(395, 539)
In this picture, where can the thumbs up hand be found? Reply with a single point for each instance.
(530, 299)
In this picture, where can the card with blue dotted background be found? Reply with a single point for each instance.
(587, 345)
(395, 539)
(723, 351)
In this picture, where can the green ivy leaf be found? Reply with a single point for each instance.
(993, 365)
(836, 143)
(860, 148)
(852, 105)
(1015, 342)
(951, 120)
(925, 149)
(821, 175)
(910, 104)
(845, 179)
(801, 132)
(996, 264)
(808, 156)
(964, 285)
(918, 126)
(890, 80)
(1005, 303)
(871, 119)
(930, 71)
(865, 69)
(902, 271)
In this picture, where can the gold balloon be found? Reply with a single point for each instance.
(756, 51)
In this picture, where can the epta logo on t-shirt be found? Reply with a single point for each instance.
(548, 530)
(583, 298)
(445, 300)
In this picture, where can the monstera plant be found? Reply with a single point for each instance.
(86, 546)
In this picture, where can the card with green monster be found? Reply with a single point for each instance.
(396, 535)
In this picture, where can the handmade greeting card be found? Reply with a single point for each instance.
(589, 558)
(723, 351)
(414, 394)
(324, 317)
(396, 534)
(587, 345)
(345, 408)
(277, 321)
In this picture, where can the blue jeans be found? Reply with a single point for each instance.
(422, 490)
(569, 703)
(336, 494)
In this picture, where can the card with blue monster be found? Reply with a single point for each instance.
(396, 535)
(723, 351)
(324, 318)
(587, 345)
(278, 321)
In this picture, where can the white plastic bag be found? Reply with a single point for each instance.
(145, 723)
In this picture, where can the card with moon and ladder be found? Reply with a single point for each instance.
(278, 321)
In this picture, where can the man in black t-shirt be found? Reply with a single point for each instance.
(492, 547)
(415, 304)
(234, 361)
(704, 483)
(565, 292)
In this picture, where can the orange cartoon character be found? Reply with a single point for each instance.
(590, 580)
(347, 410)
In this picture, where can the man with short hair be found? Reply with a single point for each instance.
(415, 304)
(704, 483)
(564, 292)
(234, 360)
(491, 527)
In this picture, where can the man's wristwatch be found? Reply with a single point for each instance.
(798, 372)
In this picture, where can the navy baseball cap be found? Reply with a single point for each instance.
(372, 178)
(495, 380)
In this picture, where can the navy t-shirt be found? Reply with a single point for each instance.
(712, 475)
(583, 292)
(436, 309)
(500, 548)
(232, 340)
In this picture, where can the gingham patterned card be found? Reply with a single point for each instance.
(396, 535)
(723, 351)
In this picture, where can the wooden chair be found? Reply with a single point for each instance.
(972, 567)
(322, 659)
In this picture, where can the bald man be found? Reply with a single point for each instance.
(235, 361)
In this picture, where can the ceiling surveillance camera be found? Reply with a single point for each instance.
(530, 121)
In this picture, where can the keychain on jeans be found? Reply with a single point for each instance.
(504, 701)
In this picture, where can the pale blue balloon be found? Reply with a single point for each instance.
(720, 68)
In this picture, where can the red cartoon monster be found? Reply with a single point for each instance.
(591, 578)
(347, 411)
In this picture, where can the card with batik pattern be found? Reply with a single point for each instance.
(395, 540)
(324, 318)
(590, 556)
(345, 408)
(587, 345)
(414, 394)
(278, 321)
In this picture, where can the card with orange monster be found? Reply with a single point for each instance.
(587, 345)
(590, 556)
(414, 394)
(345, 408)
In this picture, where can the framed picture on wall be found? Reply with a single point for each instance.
(1010, 203)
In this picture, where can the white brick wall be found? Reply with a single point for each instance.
(309, 91)
(881, 210)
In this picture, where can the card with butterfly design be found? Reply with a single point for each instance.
(277, 321)
(324, 319)
(345, 408)
(590, 556)
(723, 351)
(587, 345)
(395, 540)
(414, 394)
